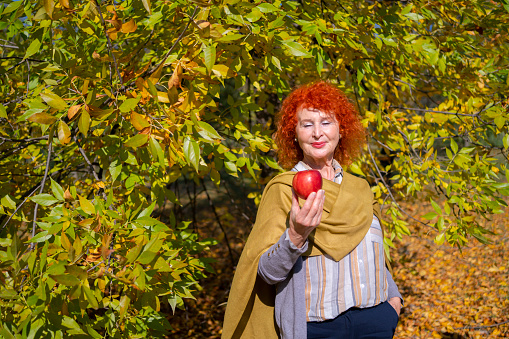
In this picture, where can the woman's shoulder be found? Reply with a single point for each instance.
(355, 180)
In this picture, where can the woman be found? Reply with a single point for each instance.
(316, 271)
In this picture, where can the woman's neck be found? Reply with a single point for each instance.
(326, 169)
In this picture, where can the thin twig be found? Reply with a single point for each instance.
(19, 206)
(390, 192)
(176, 42)
(86, 159)
(46, 171)
(110, 46)
(8, 46)
(24, 140)
(481, 327)
(219, 222)
(21, 58)
(433, 111)
(28, 80)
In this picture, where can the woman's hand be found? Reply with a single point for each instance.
(396, 304)
(304, 220)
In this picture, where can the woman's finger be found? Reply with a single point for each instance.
(295, 204)
(317, 208)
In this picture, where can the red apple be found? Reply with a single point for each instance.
(305, 182)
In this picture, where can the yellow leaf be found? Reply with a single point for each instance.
(175, 77)
(66, 244)
(222, 71)
(65, 4)
(96, 56)
(86, 206)
(64, 133)
(129, 26)
(163, 97)
(42, 118)
(154, 78)
(73, 110)
(139, 121)
(146, 4)
(54, 100)
(84, 123)
(67, 195)
(49, 6)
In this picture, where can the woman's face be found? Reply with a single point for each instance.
(318, 135)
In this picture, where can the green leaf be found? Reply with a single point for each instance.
(137, 141)
(84, 122)
(192, 152)
(66, 279)
(440, 238)
(157, 151)
(430, 216)
(208, 132)
(506, 141)
(454, 146)
(90, 297)
(267, 8)
(436, 207)
(14, 5)
(41, 237)
(86, 205)
(57, 190)
(147, 211)
(129, 104)
(254, 15)
(8, 202)
(33, 48)
(500, 121)
(3, 112)
(115, 169)
(209, 56)
(54, 100)
(72, 324)
(44, 199)
(296, 49)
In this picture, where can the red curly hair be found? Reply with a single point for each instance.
(328, 98)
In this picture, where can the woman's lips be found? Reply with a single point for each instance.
(318, 144)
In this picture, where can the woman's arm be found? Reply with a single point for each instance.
(278, 260)
(393, 295)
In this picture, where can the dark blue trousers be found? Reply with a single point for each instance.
(374, 322)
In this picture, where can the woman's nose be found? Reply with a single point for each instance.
(317, 131)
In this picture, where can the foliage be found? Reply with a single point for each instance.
(108, 108)
(450, 294)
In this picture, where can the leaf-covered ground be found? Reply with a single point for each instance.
(448, 293)
(453, 294)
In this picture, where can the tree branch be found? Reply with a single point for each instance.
(433, 111)
(176, 42)
(46, 171)
(218, 222)
(481, 327)
(24, 140)
(86, 159)
(390, 192)
(110, 46)
(19, 206)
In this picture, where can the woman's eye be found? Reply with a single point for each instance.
(326, 123)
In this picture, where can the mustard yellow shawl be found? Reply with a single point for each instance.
(346, 218)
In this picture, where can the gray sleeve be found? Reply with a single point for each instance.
(392, 288)
(278, 260)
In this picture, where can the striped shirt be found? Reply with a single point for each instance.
(357, 280)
